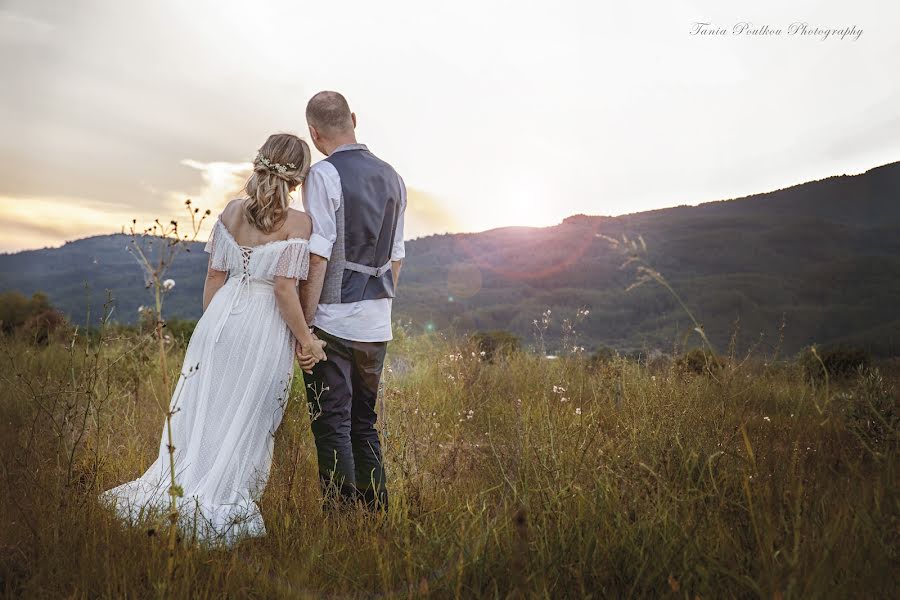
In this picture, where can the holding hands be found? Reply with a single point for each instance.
(310, 353)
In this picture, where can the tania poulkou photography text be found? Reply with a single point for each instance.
(799, 29)
(455, 300)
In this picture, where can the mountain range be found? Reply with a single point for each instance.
(813, 263)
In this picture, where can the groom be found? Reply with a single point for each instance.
(356, 202)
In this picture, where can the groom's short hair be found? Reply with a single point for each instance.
(329, 113)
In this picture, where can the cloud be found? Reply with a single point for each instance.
(222, 181)
(588, 108)
(36, 222)
(22, 29)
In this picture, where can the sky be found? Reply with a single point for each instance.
(495, 113)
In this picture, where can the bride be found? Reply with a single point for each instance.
(239, 363)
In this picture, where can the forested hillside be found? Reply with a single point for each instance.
(823, 258)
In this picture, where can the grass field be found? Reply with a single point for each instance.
(521, 477)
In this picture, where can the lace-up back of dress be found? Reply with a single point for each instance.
(246, 251)
(280, 258)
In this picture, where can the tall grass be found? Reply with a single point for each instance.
(521, 477)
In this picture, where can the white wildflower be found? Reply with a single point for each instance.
(168, 284)
(578, 411)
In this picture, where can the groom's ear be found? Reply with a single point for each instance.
(353, 118)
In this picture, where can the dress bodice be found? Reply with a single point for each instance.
(280, 258)
(253, 268)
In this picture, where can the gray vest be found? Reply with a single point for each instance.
(360, 263)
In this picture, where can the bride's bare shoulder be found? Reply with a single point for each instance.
(232, 213)
(299, 224)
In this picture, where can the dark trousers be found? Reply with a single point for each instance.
(341, 394)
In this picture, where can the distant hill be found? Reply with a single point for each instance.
(823, 256)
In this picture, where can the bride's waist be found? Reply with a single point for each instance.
(251, 286)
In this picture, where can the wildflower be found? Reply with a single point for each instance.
(766, 419)
(141, 309)
(563, 399)
(168, 284)
(558, 389)
(483, 353)
(653, 378)
(578, 411)
(470, 414)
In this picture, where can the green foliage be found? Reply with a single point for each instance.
(47, 325)
(181, 329)
(840, 361)
(16, 309)
(871, 411)
(495, 344)
(32, 317)
(699, 362)
(602, 355)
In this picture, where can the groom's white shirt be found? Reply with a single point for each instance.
(368, 320)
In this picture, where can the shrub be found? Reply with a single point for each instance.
(495, 344)
(181, 329)
(602, 355)
(45, 326)
(16, 309)
(699, 361)
(871, 413)
(840, 361)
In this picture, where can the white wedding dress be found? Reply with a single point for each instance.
(229, 399)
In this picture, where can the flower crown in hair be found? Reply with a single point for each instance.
(274, 165)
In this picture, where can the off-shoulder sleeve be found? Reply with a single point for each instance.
(215, 247)
(292, 261)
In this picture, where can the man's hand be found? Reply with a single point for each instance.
(311, 356)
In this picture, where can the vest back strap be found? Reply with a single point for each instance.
(373, 271)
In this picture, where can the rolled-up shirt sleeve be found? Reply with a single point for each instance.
(398, 252)
(321, 198)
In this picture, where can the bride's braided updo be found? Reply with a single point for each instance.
(281, 164)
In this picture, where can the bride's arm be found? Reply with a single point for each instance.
(292, 312)
(214, 282)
